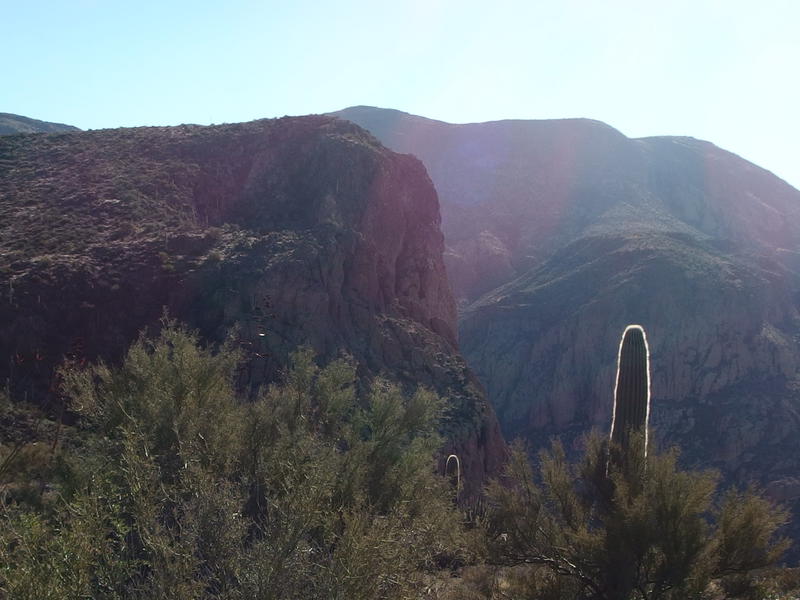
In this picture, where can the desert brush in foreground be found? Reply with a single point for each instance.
(178, 489)
(171, 485)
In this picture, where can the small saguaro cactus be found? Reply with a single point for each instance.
(457, 463)
(632, 389)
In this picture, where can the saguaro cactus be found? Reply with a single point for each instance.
(632, 390)
(457, 463)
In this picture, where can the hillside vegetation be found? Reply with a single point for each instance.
(11, 124)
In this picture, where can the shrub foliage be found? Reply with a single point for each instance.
(179, 489)
(643, 530)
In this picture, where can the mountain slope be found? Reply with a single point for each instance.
(513, 192)
(10, 124)
(560, 233)
(299, 231)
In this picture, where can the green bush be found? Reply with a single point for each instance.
(646, 530)
(179, 489)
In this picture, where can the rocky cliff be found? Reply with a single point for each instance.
(560, 233)
(298, 231)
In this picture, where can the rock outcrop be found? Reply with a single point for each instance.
(297, 231)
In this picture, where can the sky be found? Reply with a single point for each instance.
(724, 71)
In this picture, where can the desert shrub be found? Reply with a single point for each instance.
(646, 530)
(28, 443)
(180, 489)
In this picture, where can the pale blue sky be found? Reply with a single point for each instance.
(721, 70)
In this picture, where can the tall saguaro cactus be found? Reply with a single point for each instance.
(632, 390)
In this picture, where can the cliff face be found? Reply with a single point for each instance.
(560, 233)
(722, 338)
(299, 231)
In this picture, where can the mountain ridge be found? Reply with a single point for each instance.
(358, 112)
(558, 235)
(556, 165)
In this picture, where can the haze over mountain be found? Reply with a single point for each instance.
(559, 233)
(298, 231)
(10, 124)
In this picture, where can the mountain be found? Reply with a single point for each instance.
(10, 124)
(290, 232)
(559, 233)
